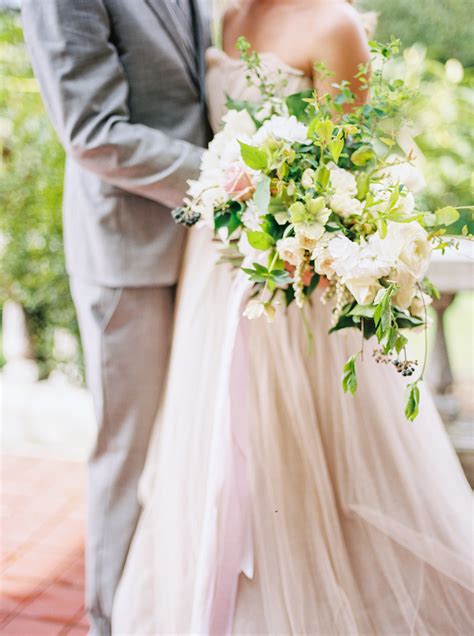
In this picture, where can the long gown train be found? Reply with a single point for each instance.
(274, 503)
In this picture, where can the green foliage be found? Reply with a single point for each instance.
(31, 171)
(445, 26)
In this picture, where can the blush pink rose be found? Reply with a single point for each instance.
(238, 183)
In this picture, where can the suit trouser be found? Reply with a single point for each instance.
(126, 335)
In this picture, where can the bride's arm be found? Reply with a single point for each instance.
(340, 42)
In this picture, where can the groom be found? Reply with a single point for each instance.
(123, 82)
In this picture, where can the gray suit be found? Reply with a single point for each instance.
(123, 82)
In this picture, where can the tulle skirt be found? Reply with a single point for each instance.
(274, 503)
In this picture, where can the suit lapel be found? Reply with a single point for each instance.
(172, 22)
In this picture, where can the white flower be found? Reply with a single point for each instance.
(289, 250)
(238, 123)
(252, 217)
(407, 242)
(342, 181)
(323, 261)
(383, 191)
(406, 286)
(254, 309)
(364, 290)
(406, 173)
(309, 220)
(359, 266)
(308, 234)
(307, 179)
(419, 304)
(345, 205)
(284, 128)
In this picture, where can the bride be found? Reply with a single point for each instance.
(274, 503)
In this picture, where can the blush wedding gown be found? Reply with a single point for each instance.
(275, 504)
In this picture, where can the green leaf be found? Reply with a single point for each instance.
(366, 311)
(349, 379)
(336, 146)
(262, 196)
(387, 141)
(363, 182)
(322, 176)
(323, 129)
(362, 156)
(297, 106)
(260, 240)
(255, 158)
(447, 215)
(430, 288)
(383, 311)
(413, 402)
(400, 342)
(280, 277)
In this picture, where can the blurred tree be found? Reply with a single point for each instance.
(445, 27)
(31, 172)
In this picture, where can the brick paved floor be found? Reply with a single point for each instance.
(41, 567)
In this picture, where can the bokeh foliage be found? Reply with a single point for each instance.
(444, 26)
(31, 173)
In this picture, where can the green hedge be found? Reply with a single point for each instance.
(445, 26)
(31, 173)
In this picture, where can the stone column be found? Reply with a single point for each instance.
(439, 374)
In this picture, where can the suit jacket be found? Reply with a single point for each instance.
(123, 82)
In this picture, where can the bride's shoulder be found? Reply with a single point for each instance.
(338, 17)
(337, 35)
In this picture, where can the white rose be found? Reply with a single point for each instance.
(345, 205)
(238, 123)
(289, 250)
(342, 181)
(323, 261)
(407, 242)
(285, 128)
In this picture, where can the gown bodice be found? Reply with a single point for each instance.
(226, 76)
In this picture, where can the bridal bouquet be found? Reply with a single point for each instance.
(303, 194)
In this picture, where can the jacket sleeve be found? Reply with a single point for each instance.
(85, 91)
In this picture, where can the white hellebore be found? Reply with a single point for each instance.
(309, 220)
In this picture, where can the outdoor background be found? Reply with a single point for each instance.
(439, 56)
(47, 423)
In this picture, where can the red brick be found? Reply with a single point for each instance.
(74, 574)
(20, 589)
(57, 602)
(38, 565)
(76, 630)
